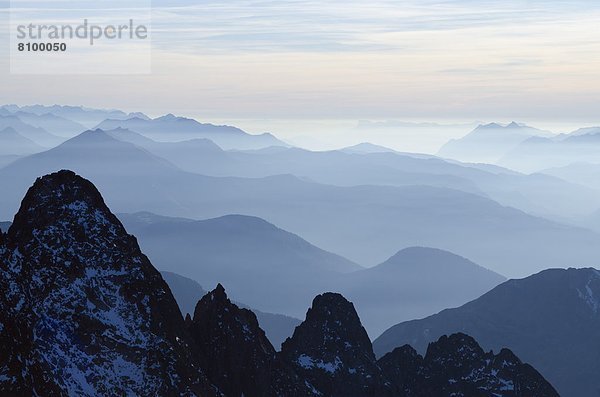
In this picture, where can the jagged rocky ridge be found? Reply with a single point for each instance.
(83, 312)
(456, 365)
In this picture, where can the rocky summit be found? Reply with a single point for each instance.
(238, 357)
(332, 351)
(458, 366)
(84, 313)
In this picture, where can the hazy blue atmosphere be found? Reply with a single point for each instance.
(302, 198)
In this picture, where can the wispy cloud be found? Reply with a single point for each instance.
(444, 59)
(335, 25)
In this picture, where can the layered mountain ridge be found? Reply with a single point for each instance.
(83, 312)
(387, 218)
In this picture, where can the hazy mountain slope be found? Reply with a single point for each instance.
(366, 224)
(587, 174)
(6, 160)
(35, 134)
(52, 123)
(551, 320)
(188, 292)
(194, 155)
(488, 143)
(414, 283)
(117, 167)
(266, 272)
(13, 143)
(538, 154)
(79, 114)
(171, 128)
(366, 147)
(258, 260)
(335, 167)
(537, 194)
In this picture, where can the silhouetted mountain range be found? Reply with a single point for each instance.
(276, 271)
(85, 313)
(550, 319)
(88, 117)
(366, 224)
(537, 194)
(473, 371)
(172, 128)
(54, 124)
(490, 142)
(536, 154)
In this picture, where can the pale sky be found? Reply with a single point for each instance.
(453, 60)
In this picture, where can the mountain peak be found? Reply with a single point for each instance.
(435, 259)
(63, 184)
(62, 196)
(472, 371)
(332, 350)
(97, 135)
(170, 117)
(93, 299)
(239, 358)
(511, 125)
(458, 348)
(219, 293)
(332, 318)
(215, 313)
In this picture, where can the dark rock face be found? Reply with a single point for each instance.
(332, 351)
(403, 367)
(238, 357)
(550, 320)
(457, 366)
(85, 312)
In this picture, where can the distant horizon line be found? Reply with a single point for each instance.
(461, 121)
